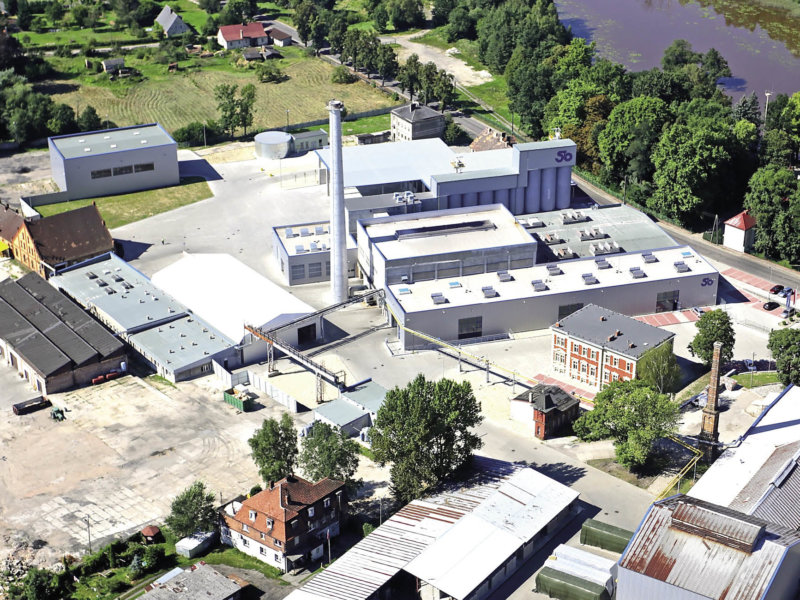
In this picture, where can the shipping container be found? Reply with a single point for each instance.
(605, 536)
(29, 406)
(568, 587)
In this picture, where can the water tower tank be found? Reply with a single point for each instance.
(273, 144)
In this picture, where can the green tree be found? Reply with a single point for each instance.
(441, 10)
(192, 510)
(89, 120)
(274, 448)
(337, 31)
(453, 134)
(405, 13)
(24, 15)
(380, 16)
(713, 326)
(38, 585)
(408, 76)
(210, 27)
(54, 11)
(784, 344)
(386, 62)
(62, 120)
(444, 89)
(244, 106)
(342, 74)
(774, 112)
(748, 108)
(304, 15)
(678, 55)
(425, 431)
(776, 149)
(225, 95)
(269, 72)
(769, 189)
(790, 120)
(460, 25)
(326, 452)
(659, 369)
(136, 568)
(634, 415)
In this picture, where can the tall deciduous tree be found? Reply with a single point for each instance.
(769, 192)
(225, 95)
(326, 452)
(713, 326)
(192, 510)
(89, 120)
(274, 448)
(387, 63)
(659, 369)
(784, 344)
(244, 106)
(425, 431)
(634, 415)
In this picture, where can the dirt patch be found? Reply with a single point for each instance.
(607, 465)
(25, 173)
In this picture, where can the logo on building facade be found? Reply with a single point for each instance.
(563, 156)
(707, 281)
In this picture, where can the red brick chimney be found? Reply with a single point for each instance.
(709, 434)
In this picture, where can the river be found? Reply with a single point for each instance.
(758, 42)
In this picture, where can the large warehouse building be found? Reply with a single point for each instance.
(113, 161)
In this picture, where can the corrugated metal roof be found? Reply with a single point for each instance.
(743, 221)
(339, 412)
(703, 562)
(455, 538)
(370, 396)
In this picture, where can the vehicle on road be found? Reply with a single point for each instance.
(787, 312)
(776, 289)
(698, 311)
(771, 305)
(785, 292)
(749, 365)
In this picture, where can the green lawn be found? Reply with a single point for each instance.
(751, 380)
(127, 208)
(363, 125)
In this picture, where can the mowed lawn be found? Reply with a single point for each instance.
(127, 208)
(178, 99)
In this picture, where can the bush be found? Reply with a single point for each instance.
(153, 557)
(342, 74)
(63, 51)
(94, 563)
(367, 528)
(255, 489)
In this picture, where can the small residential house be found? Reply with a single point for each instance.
(415, 122)
(596, 346)
(489, 139)
(309, 140)
(547, 408)
(171, 22)
(113, 65)
(280, 37)
(286, 525)
(53, 243)
(10, 224)
(242, 36)
(198, 581)
(740, 232)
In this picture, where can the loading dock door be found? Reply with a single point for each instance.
(307, 334)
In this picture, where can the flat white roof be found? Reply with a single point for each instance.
(308, 238)
(93, 143)
(417, 296)
(395, 237)
(228, 294)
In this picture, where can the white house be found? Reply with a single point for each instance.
(242, 36)
(740, 232)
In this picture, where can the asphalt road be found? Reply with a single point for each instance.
(744, 262)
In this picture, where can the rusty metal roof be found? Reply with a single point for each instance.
(698, 546)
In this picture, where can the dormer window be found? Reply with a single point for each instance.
(245, 528)
(326, 503)
(252, 515)
(310, 511)
(269, 523)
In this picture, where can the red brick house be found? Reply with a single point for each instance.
(288, 524)
(547, 408)
(595, 346)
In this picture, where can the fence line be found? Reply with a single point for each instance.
(230, 380)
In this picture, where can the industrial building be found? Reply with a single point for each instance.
(228, 295)
(280, 144)
(355, 409)
(50, 341)
(759, 475)
(171, 339)
(527, 178)
(113, 161)
(460, 543)
(302, 252)
(690, 549)
(596, 346)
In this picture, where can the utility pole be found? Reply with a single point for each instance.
(88, 531)
(287, 120)
(766, 107)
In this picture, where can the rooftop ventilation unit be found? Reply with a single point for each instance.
(595, 233)
(319, 230)
(106, 137)
(304, 232)
(686, 254)
(127, 285)
(576, 216)
(454, 284)
(565, 253)
(113, 145)
(101, 283)
(409, 196)
(552, 237)
(118, 278)
(313, 247)
(289, 232)
(110, 290)
(403, 291)
(637, 273)
(324, 246)
(143, 141)
(403, 278)
(681, 267)
(602, 263)
(589, 279)
(504, 276)
(554, 270)
(87, 149)
(538, 285)
(534, 223)
(488, 291)
(91, 275)
(604, 248)
(398, 198)
(438, 298)
(300, 249)
(649, 257)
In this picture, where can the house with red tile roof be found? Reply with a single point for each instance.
(288, 524)
(740, 232)
(242, 36)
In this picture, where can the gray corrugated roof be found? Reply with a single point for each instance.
(547, 398)
(595, 324)
(309, 134)
(167, 17)
(369, 395)
(340, 412)
(112, 140)
(39, 352)
(200, 581)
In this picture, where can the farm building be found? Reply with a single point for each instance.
(177, 344)
(415, 122)
(171, 22)
(113, 161)
(279, 37)
(461, 543)
(50, 341)
(309, 140)
(113, 65)
(242, 36)
(229, 295)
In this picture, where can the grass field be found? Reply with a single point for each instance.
(751, 380)
(127, 208)
(363, 125)
(177, 99)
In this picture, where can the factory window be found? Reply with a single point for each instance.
(471, 327)
(101, 173)
(667, 301)
(568, 309)
(328, 268)
(144, 167)
(126, 170)
(315, 270)
(298, 272)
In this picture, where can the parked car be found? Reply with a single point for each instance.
(698, 311)
(749, 365)
(785, 292)
(776, 289)
(771, 305)
(787, 312)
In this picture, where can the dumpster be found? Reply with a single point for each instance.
(605, 536)
(240, 397)
(29, 406)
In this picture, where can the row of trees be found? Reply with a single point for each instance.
(428, 82)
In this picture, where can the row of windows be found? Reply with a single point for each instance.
(123, 170)
(314, 270)
(583, 351)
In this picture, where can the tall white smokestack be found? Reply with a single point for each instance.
(338, 231)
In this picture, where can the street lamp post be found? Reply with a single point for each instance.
(766, 107)
(88, 531)
(287, 120)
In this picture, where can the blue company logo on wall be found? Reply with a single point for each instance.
(563, 156)
(707, 281)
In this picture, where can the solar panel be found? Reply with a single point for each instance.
(504, 276)
(438, 298)
(538, 285)
(454, 284)
(488, 291)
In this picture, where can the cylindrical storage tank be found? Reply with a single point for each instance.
(548, 189)
(563, 188)
(454, 201)
(273, 144)
(501, 197)
(518, 201)
(532, 193)
(485, 197)
(469, 199)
